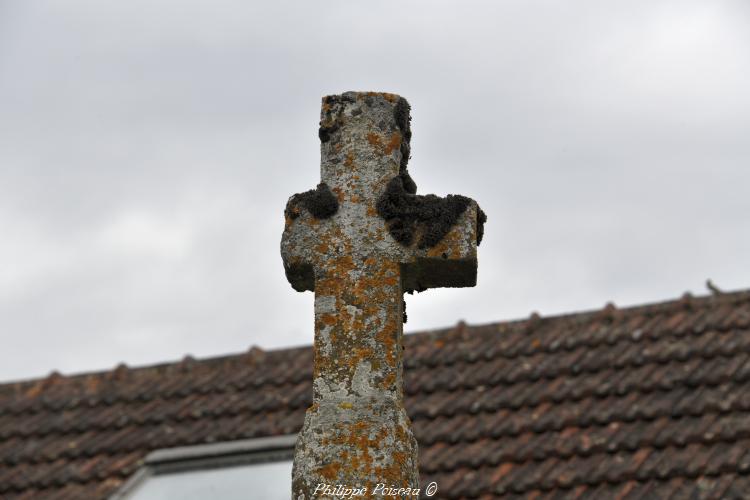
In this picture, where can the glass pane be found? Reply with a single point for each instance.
(272, 481)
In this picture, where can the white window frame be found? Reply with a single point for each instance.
(209, 456)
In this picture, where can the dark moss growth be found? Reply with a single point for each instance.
(409, 185)
(402, 115)
(320, 202)
(481, 219)
(405, 212)
(301, 277)
(325, 133)
(404, 310)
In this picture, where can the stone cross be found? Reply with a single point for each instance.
(359, 241)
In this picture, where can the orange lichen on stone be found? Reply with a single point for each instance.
(388, 380)
(356, 437)
(349, 161)
(361, 353)
(386, 95)
(330, 471)
(447, 247)
(374, 140)
(387, 338)
(339, 193)
(393, 143)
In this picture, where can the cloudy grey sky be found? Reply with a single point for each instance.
(147, 150)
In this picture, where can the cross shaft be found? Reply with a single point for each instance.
(359, 241)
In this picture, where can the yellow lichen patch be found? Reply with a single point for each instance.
(386, 95)
(374, 140)
(328, 319)
(346, 405)
(339, 193)
(356, 437)
(393, 143)
(386, 336)
(449, 246)
(388, 380)
(362, 353)
(330, 471)
(391, 280)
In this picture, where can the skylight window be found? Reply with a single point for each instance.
(255, 468)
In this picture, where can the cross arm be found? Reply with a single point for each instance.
(304, 214)
(452, 262)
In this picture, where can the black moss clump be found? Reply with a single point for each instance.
(325, 133)
(320, 202)
(402, 115)
(301, 276)
(406, 212)
(409, 185)
(481, 219)
(404, 312)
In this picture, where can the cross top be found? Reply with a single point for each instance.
(367, 192)
(359, 241)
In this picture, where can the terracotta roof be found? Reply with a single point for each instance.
(643, 402)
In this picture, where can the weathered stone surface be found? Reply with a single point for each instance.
(357, 432)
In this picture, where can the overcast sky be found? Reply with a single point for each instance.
(147, 150)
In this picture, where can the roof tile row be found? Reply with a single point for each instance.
(642, 402)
